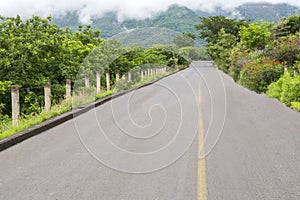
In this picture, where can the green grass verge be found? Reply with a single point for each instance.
(28, 121)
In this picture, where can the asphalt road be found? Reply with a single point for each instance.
(145, 146)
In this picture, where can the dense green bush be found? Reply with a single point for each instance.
(221, 50)
(295, 105)
(256, 35)
(239, 57)
(286, 89)
(4, 97)
(123, 85)
(35, 51)
(285, 49)
(257, 75)
(256, 54)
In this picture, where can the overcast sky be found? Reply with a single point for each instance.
(125, 8)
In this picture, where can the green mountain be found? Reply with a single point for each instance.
(162, 27)
(177, 18)
(146, 37)
(266, 11)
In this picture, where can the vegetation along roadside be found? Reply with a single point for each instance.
(36, 51)
(261, 56)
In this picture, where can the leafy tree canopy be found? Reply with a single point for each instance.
(185, 40)
(287, 26)
(256, 35)
(209, 27)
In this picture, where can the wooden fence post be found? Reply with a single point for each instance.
(15, 100)
(68, 89)
(47, 93)
(98, 82)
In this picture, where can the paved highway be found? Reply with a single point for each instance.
(147, 145)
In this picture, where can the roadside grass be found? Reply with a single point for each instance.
(149, 79)
(31, 120)
(7, 129)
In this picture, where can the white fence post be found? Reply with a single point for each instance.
(15, 100)
(107, 81)
(129, 76)
(87, 81)
(98, 82)
(47, 93)
(68, 89)
(117, 76)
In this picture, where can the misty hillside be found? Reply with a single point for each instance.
(175, 19)
(267, 12)
(146, 37)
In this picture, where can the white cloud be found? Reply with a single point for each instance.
(125, 8)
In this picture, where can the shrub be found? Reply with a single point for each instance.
(285, 49)
(32, 103)
(258, 74)
(239, 57)
(221, 50)
(291, 90)
(3, 118)
(123, 85)
(295, 105)
(286, 89)
(256, 35)
(275, 89)
(5, 98)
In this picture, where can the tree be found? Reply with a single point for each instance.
(5, 97)
(255, 36)
(184, 40)
(209, 27)
(287, 26)
(36, 51)
(220, 50)
(285, 49)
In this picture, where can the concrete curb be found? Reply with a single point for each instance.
(50, 123)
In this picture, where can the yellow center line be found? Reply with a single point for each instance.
(201, 156)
